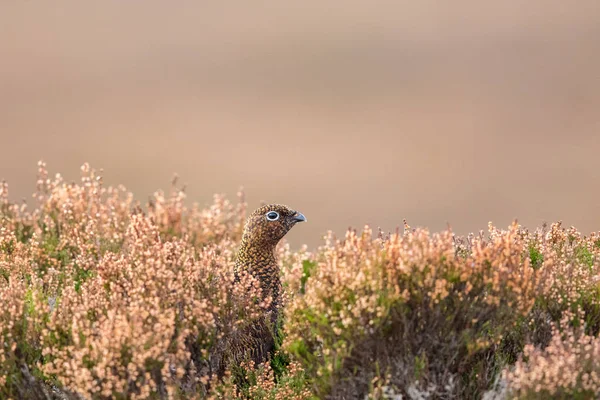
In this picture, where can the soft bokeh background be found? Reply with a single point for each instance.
(353, 112)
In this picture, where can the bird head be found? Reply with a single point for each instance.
(269, 224)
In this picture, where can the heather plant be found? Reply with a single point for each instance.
(107, 301)
(560, 359)
(410, 307)
(105, 297)
(566, 368)
(430, 316)
(570, 264)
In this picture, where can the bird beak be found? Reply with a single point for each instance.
(299, 217)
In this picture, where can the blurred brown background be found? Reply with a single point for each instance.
(352, 112)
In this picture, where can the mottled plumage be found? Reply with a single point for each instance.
(257, 250)
(264, 228)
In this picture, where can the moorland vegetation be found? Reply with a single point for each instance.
(104, 297)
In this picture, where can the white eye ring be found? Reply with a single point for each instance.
(272, 217)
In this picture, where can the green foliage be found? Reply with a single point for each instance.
(419, 365)
(24, 232)
(8, 247)
(584, 256)
(280, 360)
(536, 257)
(308, 268)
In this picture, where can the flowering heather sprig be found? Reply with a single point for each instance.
(222, 220)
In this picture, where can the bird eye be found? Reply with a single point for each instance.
(272, 215)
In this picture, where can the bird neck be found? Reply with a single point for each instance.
(259, 260)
